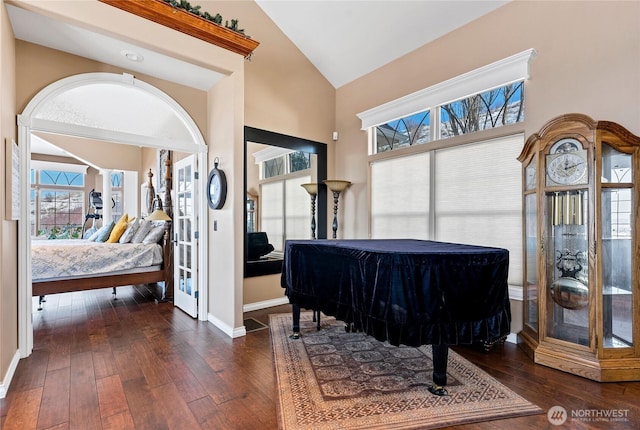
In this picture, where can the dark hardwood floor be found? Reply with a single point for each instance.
(132, 363)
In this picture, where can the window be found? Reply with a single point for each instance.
(285, 212)
(465, 194)
(408, 131)
(400, 197)
(293, 161)
(57, 203)
(116, 195)
(490, 109)
(469, 193)
(488, 97)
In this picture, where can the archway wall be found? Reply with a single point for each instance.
(8, 229)
(46, 66)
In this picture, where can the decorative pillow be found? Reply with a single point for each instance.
(90, 232)
(118, 229)
(132, 227)
(95, 234)
(143, 229)
(155, 234)
(105, 231)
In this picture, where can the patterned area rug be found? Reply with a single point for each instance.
(331, 379)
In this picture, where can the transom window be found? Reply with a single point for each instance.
(486, 110)
(411, 130)
(116, 194)
(285, 164)
(490, 109)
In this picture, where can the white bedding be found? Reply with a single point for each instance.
(64, 258)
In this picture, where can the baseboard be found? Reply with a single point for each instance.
(512, 338)
(227, 329)
(6, 381)
(265, 304)
(516, 293)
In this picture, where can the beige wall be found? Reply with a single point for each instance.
(283, 90)
(225, 241)
(8, 229)
(106, 155)
(39, 66)
(587, 61)
(284, 93)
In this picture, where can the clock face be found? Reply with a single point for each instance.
(216, 189)
(567, 168)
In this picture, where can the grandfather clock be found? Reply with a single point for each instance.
(581, 196)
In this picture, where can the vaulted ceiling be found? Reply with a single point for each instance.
(343, 39)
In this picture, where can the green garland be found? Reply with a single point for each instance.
(217, 19)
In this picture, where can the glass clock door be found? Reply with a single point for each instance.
(617, 232)
(531, 247)
(567, 267)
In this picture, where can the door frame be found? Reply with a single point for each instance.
(28, 122)
(178, 297)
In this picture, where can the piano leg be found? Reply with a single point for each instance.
(440, 357)
(295, 310)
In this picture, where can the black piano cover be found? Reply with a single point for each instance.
(403, 291)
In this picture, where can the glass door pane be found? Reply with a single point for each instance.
(531, 262)
(567, 259)
(617, 208)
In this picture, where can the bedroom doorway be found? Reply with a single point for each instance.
(67, 107)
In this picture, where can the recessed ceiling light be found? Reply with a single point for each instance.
(132, 56)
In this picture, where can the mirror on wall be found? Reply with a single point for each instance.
(277, 206)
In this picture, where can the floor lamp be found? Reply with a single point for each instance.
(312, 189)
(336, 186)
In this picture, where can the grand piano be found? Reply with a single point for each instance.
(404, 291)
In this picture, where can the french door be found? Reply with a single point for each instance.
(185, 254)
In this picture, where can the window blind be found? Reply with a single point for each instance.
(478, 197)
(297, 209)
(400, 197)
(475, 196)
(286, 211)
(272, 213)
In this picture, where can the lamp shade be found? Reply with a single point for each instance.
(311, 188)
(337, 185)
(159, 215)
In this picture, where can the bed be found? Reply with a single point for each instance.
(68, 265)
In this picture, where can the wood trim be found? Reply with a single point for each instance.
(178, 19)
(45, 288)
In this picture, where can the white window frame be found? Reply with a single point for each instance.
(498, 74)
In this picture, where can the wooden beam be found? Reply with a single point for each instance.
(179, 19)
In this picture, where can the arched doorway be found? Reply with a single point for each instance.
(110, 107)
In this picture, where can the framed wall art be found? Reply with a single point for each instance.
(12, 179)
